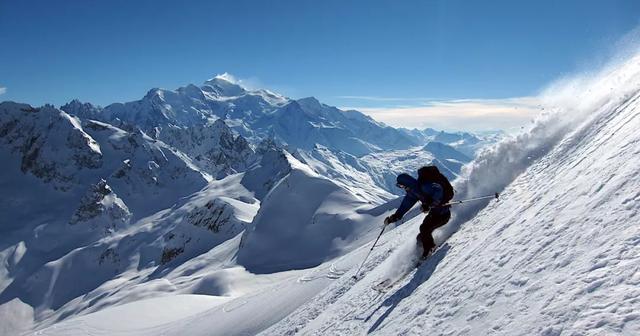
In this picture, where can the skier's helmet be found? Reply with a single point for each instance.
(404, 180)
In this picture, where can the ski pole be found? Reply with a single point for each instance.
(496, 195)
(355, 276)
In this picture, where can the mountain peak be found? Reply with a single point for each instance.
(82, 110)
(226, 77)
(309, 100)
(191, 91)
(154, 92)
(74, 105)
(219, 123)
(226, 85)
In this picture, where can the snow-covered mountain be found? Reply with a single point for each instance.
(256, 114)
(467, 143)
(304, 220)
(558, 254)
(212, 147)
(48, 143)
(189, 119)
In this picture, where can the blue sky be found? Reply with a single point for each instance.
(372, 55)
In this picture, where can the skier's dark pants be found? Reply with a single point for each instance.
(432, 221)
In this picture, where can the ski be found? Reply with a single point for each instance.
(389, 283)
(386, 284)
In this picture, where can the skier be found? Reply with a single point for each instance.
(433, 190)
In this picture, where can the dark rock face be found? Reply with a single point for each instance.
(51, 144)
(102, 209)
(205, 226)
(91, 205)
(213, 219)
(168, 254)
(212, 147)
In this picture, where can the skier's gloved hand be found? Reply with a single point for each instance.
(425, 207)
(391, 219)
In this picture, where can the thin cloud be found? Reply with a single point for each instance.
(3, 90)
(254, 83)
(374, 98)
(460, 114)
(251, 83)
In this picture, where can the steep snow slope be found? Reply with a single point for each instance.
(304, 220)
(558, 255)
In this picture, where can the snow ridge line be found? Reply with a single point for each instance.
(571, 102)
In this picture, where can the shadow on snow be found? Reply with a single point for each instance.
(423, 274)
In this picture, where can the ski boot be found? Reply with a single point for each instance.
(427, 254)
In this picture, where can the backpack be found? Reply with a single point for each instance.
(433, 175)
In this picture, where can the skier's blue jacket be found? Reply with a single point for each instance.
(430, 194)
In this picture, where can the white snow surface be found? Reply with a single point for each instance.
(141, 316)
